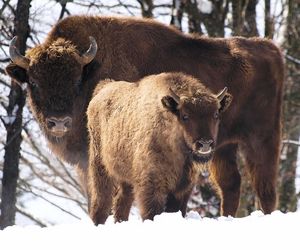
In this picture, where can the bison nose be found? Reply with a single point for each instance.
(204, 146)
(59, 125)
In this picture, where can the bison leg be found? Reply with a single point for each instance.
(227, 179)
(262, 163)
(100, 190)
(122, 202)
(82, 169)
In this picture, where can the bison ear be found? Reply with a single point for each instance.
(225, 102)
(170, 104)
(90, 70)
(17, 73)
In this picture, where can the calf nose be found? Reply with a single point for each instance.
(204, 143)
(59, 124)
(204, 146)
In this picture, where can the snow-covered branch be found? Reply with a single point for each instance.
(31, 217)
(293, 142)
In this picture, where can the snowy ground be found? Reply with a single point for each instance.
(167, 231)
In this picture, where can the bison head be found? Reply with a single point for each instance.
(199, 116)
(55, 74)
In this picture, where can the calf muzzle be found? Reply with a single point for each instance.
(204, 147)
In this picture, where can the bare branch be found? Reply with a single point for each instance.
(5, 4)
(50, 202)
(30, 216)
(292, 142)
(292, 59)
(72, 182)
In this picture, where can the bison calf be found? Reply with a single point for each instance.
(149, 139)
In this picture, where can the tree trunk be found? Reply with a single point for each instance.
(287, 192)
(147, 8)
(269, 24)
(176, 16)
(13, 126)
(215, 21)
(250, 26)
(194, 16)
(237, 17)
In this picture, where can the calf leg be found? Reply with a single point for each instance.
(262, 162)
(151, 197)
(122, 202)
(178, 202)
(184, 201)
(100, 190)
(227, 179)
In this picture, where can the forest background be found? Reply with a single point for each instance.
(37, 188)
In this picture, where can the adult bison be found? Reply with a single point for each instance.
(151, 138)
(63, 72)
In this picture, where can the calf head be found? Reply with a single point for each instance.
(199, 116)
(55, 74)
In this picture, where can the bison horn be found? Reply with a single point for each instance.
(15, 55)
(90, 54)
(174, 95)
(222, 93)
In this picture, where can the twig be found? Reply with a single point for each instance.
(50, 202)
(30, 216)
(293, 142)
(292, 59)
(4, 6)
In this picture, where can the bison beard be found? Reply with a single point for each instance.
(201, 158)
(130, 48)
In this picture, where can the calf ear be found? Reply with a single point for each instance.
(225, 102)
(170, 104)
(17, 73)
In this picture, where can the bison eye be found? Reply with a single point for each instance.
(185, 118)
(78, 83)
(216, 115)
(77, 87)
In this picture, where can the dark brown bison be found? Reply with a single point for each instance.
(62, 78)
(150, 138)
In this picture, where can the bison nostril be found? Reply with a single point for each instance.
(198, 145)
(210, 143)
(50, 123)
(68, 122)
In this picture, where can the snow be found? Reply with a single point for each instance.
(205, 6)
(167, 231)
(8, 119)
(11, 118)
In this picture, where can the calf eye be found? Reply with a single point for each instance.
(216, 115)
(185, 117)
(33, 84)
